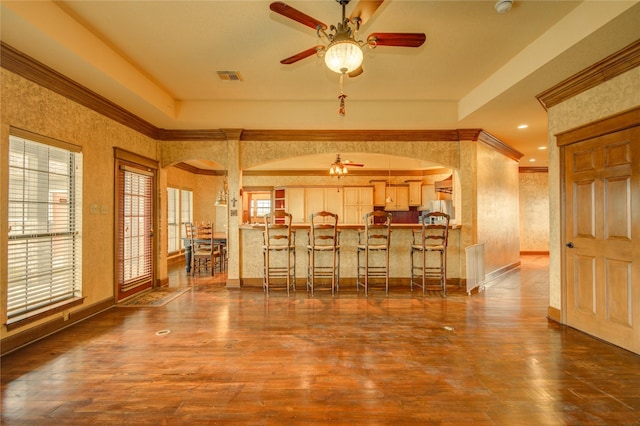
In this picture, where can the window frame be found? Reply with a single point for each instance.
(57, 225)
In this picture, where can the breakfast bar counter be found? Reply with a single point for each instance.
(251, 261)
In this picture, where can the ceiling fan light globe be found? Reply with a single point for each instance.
(343, 56)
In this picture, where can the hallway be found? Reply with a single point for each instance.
(234, 356)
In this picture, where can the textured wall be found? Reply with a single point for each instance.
(255, 153)
(498, 225)
(31, 107)
(613, 96)
(534, 211)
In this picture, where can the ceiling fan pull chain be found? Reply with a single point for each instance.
(342, 109)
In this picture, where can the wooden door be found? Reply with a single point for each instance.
(135, 208)
(602, 227)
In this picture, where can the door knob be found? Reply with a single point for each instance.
(570, 245)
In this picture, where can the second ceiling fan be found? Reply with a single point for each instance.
(343, 53)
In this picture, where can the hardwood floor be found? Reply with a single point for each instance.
(234, 356)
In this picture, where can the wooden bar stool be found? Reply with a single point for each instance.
(279, 250)
(431, 238)
(323, 238)
(373, 241)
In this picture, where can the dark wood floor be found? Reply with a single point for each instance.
(234, 356)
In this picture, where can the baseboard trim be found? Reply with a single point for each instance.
(26, 337)
(554, 314)
(500, 271)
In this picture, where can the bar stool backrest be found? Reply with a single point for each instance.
(277, 229)
(435, 230)
(377, 229)
(324, 229)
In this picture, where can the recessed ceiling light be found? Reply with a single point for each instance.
(532, 160)
(523, 126)
(542, 148)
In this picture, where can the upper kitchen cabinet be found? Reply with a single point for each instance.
(397, 198)
(415, 192)
(379, 192)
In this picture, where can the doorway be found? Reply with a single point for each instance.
(135, 209)
(601, 293)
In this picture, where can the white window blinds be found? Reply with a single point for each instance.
(45, 220)
(186, 211)
(173, 220)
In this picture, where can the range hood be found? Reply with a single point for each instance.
(445, 186)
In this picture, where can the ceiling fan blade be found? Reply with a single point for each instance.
(291, 13)
(356, 72)
(352, 164)
(299, 56)
(397, 39)
(364, 9)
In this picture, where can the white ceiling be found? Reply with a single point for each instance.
(477, 69)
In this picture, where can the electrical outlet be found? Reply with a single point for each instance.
(66, 316)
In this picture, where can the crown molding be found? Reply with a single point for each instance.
(608, 68)
(533, 169)
(32, 70)
(496, 144)
(198, 171)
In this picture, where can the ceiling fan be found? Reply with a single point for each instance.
(340, 167)
(343, 51)
(341, 38)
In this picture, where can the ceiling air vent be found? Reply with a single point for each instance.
(229, 75)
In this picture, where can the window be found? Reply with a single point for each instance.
(186, 211)
(179, 212)
(261, 207)
(258, 204)
(173, 220)
(45, 221)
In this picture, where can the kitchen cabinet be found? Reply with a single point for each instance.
(379, 192)
(415, 192)
(358, 200)
(428, 195)
(399, 196)
(318, 199)
(295, 204)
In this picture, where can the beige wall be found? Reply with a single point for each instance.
(28, 106)
(534, 212)
(498, 225)
(613, 96)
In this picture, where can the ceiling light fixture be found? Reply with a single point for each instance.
(503, 6)
(338, 168)
(523, 126)
(221, 201)
(341, 49)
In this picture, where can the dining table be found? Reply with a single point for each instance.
(219, 238)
